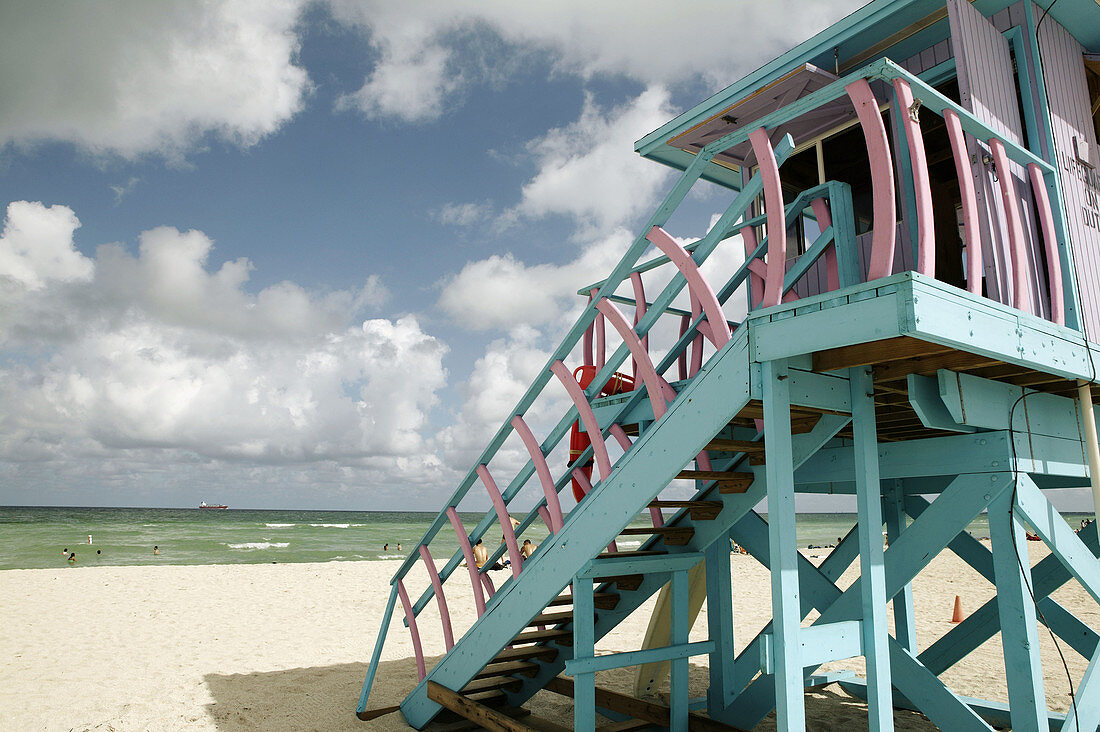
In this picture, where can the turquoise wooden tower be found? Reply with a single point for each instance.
(914, 192)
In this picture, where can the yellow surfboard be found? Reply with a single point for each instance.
(659, 633)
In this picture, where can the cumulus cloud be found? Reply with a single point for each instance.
(162, 355)
(128, 77)
(422, 47)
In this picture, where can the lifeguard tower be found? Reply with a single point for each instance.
(915, 194)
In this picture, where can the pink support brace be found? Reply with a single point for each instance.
(777, 224)
(488, 582)
(697, 284)
(440, 598)
(601, 341)
(1050, 241)
(824, 221)
(645, 365)
(971, 236)
(586, 349)
(756, 267)
(421, 672)
(545, 516)
(682, 359)
(639, 313)
(543, 470)
(471, 562)
(504, 518)
(926, 234)
(588, 417)
(1015, 225)
(882, 179)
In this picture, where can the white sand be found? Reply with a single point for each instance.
(285, 647)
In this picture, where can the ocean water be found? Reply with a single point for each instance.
(35, 537)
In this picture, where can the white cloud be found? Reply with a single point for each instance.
(161, 357)
(423, 45)
(130, 77)
(464, 214)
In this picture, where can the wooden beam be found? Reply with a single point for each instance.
(875, 352)
(929, 365)
(638, 708)
(368, 714)
(471, 710)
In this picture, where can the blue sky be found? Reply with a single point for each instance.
(308, 254)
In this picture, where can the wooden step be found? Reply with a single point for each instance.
(720, 476)
(625, 582)
(600, 600)
(671, 535)
(698, 510)
(540, 636)
(509, 668)
(461, 724)
(564, 616)
(628, 555)
(492, 683)
(523, 653)
(723, 445)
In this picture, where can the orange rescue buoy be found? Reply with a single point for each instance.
(579, 441)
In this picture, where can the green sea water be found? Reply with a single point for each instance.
(36, 537)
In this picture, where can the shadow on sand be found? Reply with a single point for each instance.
(324, 698)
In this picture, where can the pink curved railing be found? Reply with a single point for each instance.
(639, 313)
(504, 517)
(922, 188)
(882, 179)
(440, 598)
(534, 449)
(971, 236)
(757, 269)
(1015, 225)
(773, 205)
(645, 364)
(719, 330)
(471, 562)
(824, 221)
(1050, 242)
(410, 617)
(587, 416)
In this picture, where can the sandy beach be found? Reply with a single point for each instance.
(285, 646)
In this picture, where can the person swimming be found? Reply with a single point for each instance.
(72, 558)
(156, 550)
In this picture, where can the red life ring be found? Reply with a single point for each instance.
(578, 441)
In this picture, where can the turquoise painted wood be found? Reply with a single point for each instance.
(905, 619)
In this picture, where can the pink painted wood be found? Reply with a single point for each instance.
(1015, 225)
(587, 416)
(410, 616)
(545, 516)
(1050, 242)
(824, 221)
(926, 234)
(586, 349)
(697, 284)
(645, 365)
(682, 359)
(882, 179)
(504, 518)
(543, 471)
(471, 562)
(440, 598)
(756, 274)
(586, 488)
(601, 341)
(971, 236)
(777, 225)
(639, 313)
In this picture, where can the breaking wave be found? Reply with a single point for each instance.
(331, 526)
(250, 545)
(279, 526)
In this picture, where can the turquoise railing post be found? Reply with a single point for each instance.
(372, 667)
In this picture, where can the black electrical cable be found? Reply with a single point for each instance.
(1016, 548)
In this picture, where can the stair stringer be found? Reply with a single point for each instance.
(707, 404)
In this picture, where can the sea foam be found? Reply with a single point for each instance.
(249, 545)
(332, 526)
(279, 526)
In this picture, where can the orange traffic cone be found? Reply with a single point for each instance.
(957, 615)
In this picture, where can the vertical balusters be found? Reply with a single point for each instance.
(971, 235)
(882, 179)
(543, 471)
(824, 221)
(587, 416)
(756, 267)
(777, 225)
(1015, 225)
(1050, 242)
(639, 313)
(503, 517)
(645, 365)
(719, 330)
(410, 617)
(471, 562)
(926, 235)
(440, 599)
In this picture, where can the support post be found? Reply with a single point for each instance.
(678, 703)
(783, 551)
(872, 569)
(905, 628)
(1019, 634)
(584, 646)
(719, 624)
